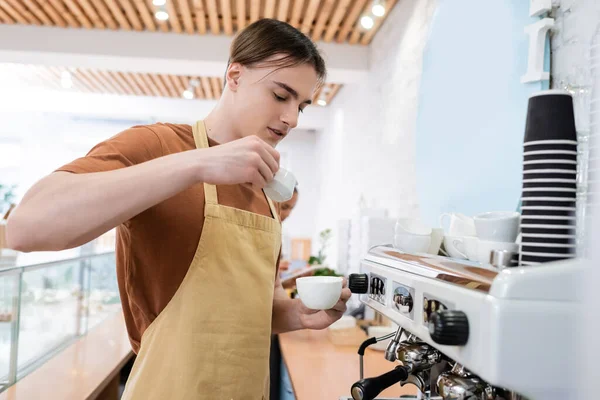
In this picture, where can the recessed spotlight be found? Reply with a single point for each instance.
(378, 8)
(188, 94)
(321, 102)
(367, 22)
(161, 15)
(159, 2)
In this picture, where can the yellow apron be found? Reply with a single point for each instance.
(212, 341)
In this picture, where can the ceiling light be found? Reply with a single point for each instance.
(321, 102)
(161, 15)
(367, 22)
(378, 9)
(188, 94)
(159, 2)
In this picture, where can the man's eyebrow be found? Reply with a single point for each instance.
(291, 91)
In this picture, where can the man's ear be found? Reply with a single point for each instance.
(233, 75)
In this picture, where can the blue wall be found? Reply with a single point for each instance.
(472, 107)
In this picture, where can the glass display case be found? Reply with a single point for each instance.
(45, 307)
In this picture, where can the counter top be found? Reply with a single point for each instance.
(320, 370)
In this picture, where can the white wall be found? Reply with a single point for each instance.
(368, 147)
(298, 155)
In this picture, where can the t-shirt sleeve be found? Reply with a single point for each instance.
(130, 147)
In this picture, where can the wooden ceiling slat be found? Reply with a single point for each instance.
(62, 10)
(78, 14)
(115, 10)
(128, 77)
(334, 24)
(5, 18)
(130, 87)
(332, 93)
(254, 10)
(146, 78)
(91, 13)
(317, 94)
(167, 84)
(81, 75)
(213, 17)
(38, 12)
(269, 9)
(54, 16)
(324, 14)
(297, 13)
(200, 14)
(198, 93)
(111, 77)
(176, 83)
(120, 83)
(184, 83)
(186, 15)
(283, 9)
(137, 78)
(216, 89)
(351, 20)
(368, 36)
(221, 85)
(132, 15)
(240, 12)
(13, 13)
(156, 81)
(309, 17)
(226, 14)
(105, 14)
(48, 77)
(29, 17)
(147, 17)
(103, 82)
(173, 17)
(206, 87)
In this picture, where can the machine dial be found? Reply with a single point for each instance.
(449, 327)
(358, 283)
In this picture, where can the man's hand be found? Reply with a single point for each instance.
(321, 319)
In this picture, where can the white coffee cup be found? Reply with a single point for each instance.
(454, 247)
(319, 292)
(412, 243)
(460, 224)
(479, 250)
(412, 226)
(497, 226)
(281, 188)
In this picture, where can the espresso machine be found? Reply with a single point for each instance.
(471, 331)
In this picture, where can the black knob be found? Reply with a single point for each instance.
(358, 283)
(368, 389)
(449, 327)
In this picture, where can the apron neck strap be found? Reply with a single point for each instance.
(201, 140)
(273, 210)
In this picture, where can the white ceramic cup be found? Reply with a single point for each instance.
(460, 224)
(412, 226)
(479, 250)
(454, 247)
(412, 243)
(498, 226)
(319, 292)
(281, 188)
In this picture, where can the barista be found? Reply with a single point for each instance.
(197, 240)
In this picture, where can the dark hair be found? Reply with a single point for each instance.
(269, 37)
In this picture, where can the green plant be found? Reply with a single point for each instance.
(319, 259)
(7, 195)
